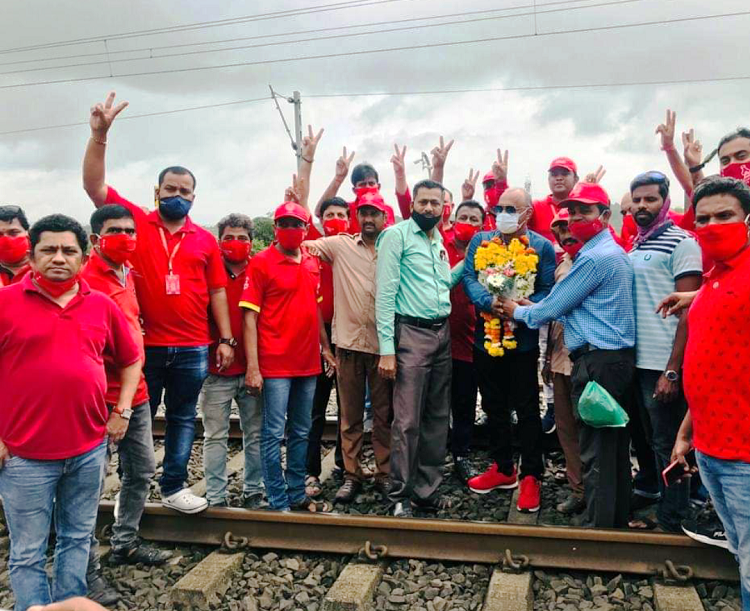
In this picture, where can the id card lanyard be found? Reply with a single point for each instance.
(172, 280)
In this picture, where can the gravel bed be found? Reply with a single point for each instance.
(718, 596)
(423, 586)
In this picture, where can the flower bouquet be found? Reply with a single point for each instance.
(506, 271)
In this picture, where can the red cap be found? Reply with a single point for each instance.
(373, 199)
(291, 210)
(489, 176)
(562, 216)
(564, 162)
(587, 193)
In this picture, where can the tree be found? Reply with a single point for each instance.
(263, 233)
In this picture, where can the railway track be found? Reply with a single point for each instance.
(159, 426)
(644, 553)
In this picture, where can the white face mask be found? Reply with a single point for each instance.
(507, 222)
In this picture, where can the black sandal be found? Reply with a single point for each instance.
(313, 506)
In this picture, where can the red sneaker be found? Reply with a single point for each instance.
(492, 479)
(529, 497)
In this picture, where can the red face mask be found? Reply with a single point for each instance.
(236, 251)
(572, 249)
(492, 196)
(722, 241)
(585, 230)
(361, 191)
(13, 248)
(465, 231)
(740, 171)
(290, 238)
(117, 247)
(335, 226)
(56, 289)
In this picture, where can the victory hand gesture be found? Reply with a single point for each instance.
(693, 149)
(399, 162)
(595, 177)
(470, 185)
(102, 115)
(500, 167)
(667, 131)
(342, 165)
(310, 143)
(440, 153)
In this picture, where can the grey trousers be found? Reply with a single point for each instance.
(421, 409)
(137, 467)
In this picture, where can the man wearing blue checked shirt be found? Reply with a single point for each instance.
(595, 301)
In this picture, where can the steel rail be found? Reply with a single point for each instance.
(159, 427)
(444, 540)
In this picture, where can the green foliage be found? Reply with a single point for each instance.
(263, 229)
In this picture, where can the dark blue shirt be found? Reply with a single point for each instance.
(528, 339)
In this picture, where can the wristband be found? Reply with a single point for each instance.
(696, 168)
(306, 159)
(102, 142)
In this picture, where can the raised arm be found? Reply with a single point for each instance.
(439, 155)
(469, 186)
(309, 146)
(679, 169)
(102, 116)
(693, 154)
(342, 171)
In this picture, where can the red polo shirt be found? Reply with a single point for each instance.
(235, 287)
(101, 277)
(52, 369)
(717, 385)
(326, 280)
(174, 320)
(463, 315)
(543, 215)
(7, 277)
(285, 295)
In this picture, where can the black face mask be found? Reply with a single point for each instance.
(425, 222)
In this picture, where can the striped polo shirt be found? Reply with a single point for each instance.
(665, 257)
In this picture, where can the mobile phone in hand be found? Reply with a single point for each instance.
(676, 470)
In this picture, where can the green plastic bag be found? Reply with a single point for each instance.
(599, 409)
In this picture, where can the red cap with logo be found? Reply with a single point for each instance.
(291, 210)
(564, 162)
(372, 199)
(587, 193)
(562, 216)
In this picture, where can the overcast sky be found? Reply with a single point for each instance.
(241, 154)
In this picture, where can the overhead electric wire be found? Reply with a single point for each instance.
(151, 49)
(322, 38)
(410, 48)
(688, 81)
(323, 8)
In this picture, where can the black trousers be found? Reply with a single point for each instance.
(508, 383)
(605, 452)
(318, 421)
(463, 406)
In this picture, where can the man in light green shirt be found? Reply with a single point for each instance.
(412, 308)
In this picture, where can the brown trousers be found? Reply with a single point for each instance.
(354, 368)
(421, 411)
(567, 432)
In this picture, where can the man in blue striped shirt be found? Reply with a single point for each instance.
(595, 301)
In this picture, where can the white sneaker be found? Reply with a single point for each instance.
(185, 501)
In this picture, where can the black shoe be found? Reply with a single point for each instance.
(710, 532)
(348, 491)
(100, 591)
(254, 501)
(462, 469)
(638, 502)
(573, 505)
(383, 486)
(140, 553)
(403, 510)
(433, 504)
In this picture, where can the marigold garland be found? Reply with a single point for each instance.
(508, 271)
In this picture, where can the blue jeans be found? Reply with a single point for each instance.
(216, 407)
(34, 490)
(664, 420)
(178, 374)
(285, 399)
(728, 482)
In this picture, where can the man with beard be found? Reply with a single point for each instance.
(665, 259)
(353, 259)
(14, 245)
(180, 274)
(412, 308)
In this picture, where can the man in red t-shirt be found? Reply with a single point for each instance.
(226, 385)
(283, 337)
(717, 387)
(55, 333)
(180, 274)
(14, 244)
(113, 238)
(562, 177)
(470, 217)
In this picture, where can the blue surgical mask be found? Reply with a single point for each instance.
(174, 208)
(507, 222)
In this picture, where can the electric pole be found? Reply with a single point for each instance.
(297, 101)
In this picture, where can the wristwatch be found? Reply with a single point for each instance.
(229, 341)
(125, 414)
(671, 375)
